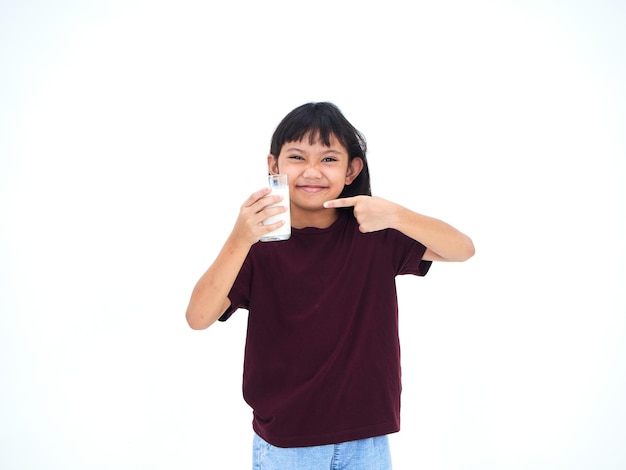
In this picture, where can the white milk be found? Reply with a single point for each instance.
(284, 232)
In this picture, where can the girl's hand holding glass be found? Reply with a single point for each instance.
(249, 226)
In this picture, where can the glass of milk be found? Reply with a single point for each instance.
(279, 186)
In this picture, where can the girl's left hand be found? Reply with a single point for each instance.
(372, 213)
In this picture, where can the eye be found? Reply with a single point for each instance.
(329, 159)
(296, 157)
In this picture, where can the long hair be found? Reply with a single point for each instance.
(320, 121)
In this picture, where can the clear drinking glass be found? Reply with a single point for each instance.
(280, 186)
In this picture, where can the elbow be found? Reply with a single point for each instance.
(197, 326)
(463, 251)
(468, 250)
(201, 315)
(197, 321)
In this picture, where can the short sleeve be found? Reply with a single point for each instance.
(239, 294)
(408, 255)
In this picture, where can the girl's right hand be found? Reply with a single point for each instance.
(249, 226)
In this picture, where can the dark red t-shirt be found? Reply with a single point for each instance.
(322, 357)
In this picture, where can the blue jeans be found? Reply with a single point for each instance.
(364, 454)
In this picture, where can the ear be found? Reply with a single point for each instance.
(272, 164)
(354, 169)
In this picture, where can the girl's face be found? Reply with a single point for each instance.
(316, 174)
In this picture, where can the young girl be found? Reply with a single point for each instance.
(322, 356)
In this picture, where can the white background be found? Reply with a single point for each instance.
(131, 132)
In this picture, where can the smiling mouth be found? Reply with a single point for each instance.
(311, 188)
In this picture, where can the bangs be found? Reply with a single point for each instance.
(317, 122)
(315, 133)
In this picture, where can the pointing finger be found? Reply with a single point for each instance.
(342, 202)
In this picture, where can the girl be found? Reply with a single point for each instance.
(322, 356)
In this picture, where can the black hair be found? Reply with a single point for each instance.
(321, 121)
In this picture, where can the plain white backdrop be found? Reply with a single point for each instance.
(131, 132)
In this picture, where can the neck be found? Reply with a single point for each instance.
(319, 219)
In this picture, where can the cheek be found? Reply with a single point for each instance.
(285, 165)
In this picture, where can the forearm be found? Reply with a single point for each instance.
(209, 298)
(443, 242)
(210, 294)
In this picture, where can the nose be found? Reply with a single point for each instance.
(312, 171)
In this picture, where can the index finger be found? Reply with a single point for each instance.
(255, 196)
(341, 202)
